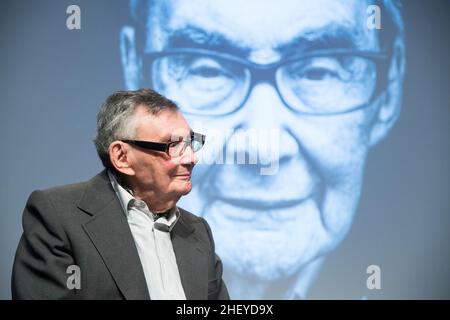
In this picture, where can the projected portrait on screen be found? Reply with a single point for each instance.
(311, 83)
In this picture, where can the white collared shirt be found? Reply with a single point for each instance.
(152, 239)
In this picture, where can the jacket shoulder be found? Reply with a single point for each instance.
(65, 193)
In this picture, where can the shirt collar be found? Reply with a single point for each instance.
(162, 222)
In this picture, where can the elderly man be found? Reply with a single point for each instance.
(120, 235)
(317, 81)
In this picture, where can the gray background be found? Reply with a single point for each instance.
(53, 81)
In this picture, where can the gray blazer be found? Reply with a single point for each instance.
(83, 224)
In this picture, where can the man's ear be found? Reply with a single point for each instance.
(120, 158)
(131, 62)
(389, 102)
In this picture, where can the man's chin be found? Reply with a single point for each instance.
(267, 244)
(184, 188)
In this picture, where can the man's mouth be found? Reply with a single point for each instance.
(261, 204)
(239, 193)
(262, 215)
(184, 176)
(264, 197)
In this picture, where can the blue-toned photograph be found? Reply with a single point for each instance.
(173, 150)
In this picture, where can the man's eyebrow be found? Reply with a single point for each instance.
(194, 37)
(331, 36)
(168, 137)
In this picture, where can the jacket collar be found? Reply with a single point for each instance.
(109, 232)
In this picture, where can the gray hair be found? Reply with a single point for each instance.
(114, 118)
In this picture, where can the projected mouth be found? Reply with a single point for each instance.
(266, 195)
(238, 192)
(260, 204)
(261, 215)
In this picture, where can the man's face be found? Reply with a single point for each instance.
(272, 225)
(165, 178)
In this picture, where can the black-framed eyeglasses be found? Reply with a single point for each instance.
(173, 148)
(210, 83)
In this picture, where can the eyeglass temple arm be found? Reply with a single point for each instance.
(149, 145)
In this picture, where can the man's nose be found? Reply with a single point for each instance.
(266, 115)
(188, 156)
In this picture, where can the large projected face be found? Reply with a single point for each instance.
(301, 78)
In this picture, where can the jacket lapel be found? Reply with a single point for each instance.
(109, 231)
(191, 260)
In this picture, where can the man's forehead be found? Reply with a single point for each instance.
(258, 25)
(161, 126)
